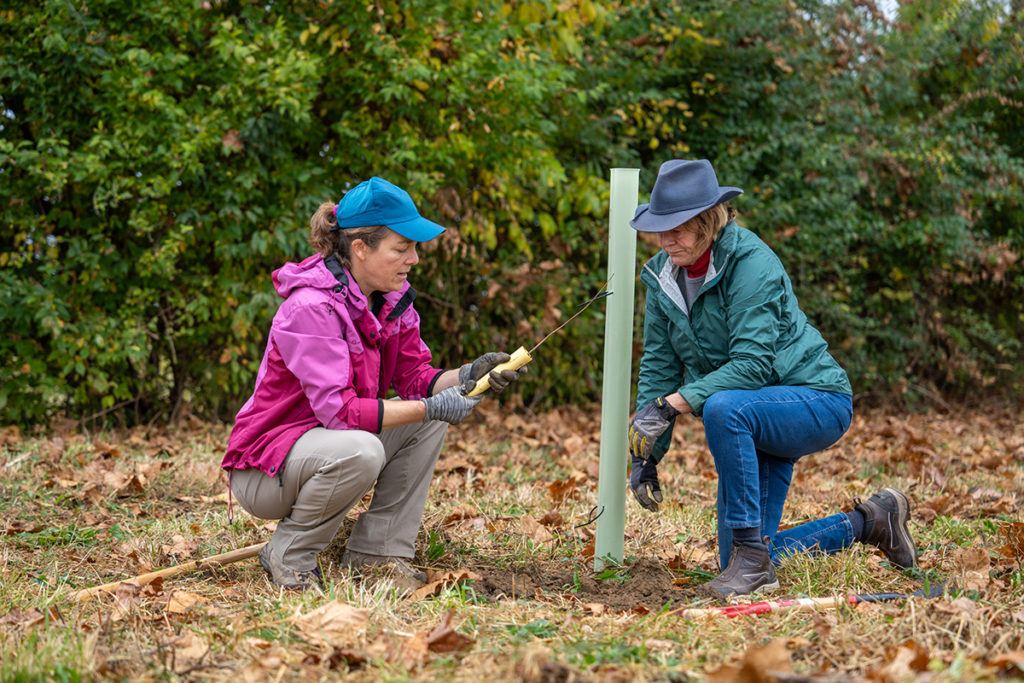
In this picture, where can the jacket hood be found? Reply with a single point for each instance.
(317, 273)
(310, 272)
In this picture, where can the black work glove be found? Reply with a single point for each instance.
(451, 405)
(647, 425)
(643, 480)
(484, 365)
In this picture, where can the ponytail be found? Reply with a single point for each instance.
(327, 238)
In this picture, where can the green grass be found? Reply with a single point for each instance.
(553, 617)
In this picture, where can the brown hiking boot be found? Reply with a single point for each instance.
(289, 579)
(750, 570)
(399, 569)
(885, 526)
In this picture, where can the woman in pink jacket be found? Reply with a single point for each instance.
(317, 432)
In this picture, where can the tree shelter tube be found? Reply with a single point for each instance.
(618, 355)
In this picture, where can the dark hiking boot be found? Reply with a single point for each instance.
(289, 579)
(398, 569)
(885, 526)
(750, 571)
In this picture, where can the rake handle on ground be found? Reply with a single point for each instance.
(143, 579)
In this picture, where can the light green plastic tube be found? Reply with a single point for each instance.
(618, 354)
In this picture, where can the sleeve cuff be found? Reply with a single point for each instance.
(430, 387)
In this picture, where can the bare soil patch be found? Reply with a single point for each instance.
(644, 585)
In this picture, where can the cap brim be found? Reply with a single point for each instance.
(646, 221)
(418, 229)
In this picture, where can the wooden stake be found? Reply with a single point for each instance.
(142, 579)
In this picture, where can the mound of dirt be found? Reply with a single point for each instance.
(645, 584)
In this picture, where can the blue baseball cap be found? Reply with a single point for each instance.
(378, 202)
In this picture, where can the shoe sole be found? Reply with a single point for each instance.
(901, 532)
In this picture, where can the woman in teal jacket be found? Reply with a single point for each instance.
(725, 339)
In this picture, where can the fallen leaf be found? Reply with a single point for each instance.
(409, 652)
(563, 489)
(758, 664)
(18, 526)
(972, 564)
(464, 511)
(552, 518)
(535, 530)
(908, 660)
(179, 602)
(444, 638)
(438, 581)
(335, 624)
(1008, 660)
(10, 436)
(189, 649)
(30, 617)
(180, 547)
(964, 608)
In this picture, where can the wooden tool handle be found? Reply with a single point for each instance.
(519, 358)
(142, 579)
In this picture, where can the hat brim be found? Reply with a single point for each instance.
(646, 221)
(418, 229)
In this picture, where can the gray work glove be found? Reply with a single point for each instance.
(451, 405)
(643, 481)
(647, 425)
(484, 365)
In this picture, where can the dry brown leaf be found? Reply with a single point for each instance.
(909, 660)
(189, 649)
(180, 602)
(443, 638)
(438, 581)
(758, 664)
(533, 529)
(563, 489)
(962, 608)
(10, 436)
(972, 564)
(552, 518)
(180, 547)
(410, 653)
(1008, 660)
(30, 617)
(464, 511)
(18, 526)
(335, 624)
(1013, 532)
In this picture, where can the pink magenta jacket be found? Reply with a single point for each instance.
(329, 362)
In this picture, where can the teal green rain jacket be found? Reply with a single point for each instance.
(746, 330)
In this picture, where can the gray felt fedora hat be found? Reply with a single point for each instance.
(683, 190)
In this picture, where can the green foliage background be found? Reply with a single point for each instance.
(157, 161)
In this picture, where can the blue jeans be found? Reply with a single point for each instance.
(755, 438)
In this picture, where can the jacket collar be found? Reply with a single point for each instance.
(404, 300)
(662, 272)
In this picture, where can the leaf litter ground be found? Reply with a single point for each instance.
(507, 542)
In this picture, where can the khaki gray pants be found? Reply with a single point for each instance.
(326, 473)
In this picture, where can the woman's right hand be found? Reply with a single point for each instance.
(451, 405)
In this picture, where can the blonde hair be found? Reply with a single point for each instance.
(710, 222)
(327, 238)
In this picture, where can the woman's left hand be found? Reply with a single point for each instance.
(647, 425)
